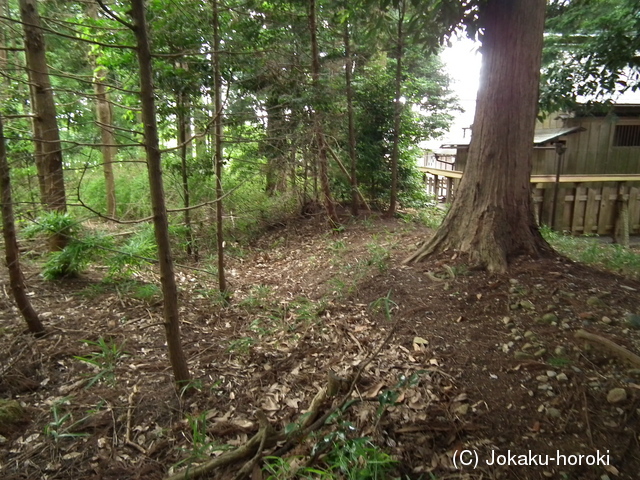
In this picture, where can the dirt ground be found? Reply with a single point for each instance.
(481, 367)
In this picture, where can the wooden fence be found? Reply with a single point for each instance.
(586, 204)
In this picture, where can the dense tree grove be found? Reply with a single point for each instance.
(275, 110)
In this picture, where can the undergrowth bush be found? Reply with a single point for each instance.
(82, 245)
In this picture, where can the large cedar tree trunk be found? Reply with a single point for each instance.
(491, 218)
(12, 254)
(45, 124)
(160, 221)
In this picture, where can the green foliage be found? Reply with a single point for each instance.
(81, 247)
(426, 114)
(590, 250)
(202, 446)
(279, 468)
(591, 50)
(132, 191)
(104, 361)
(384, 305)
(62, 424)
(241, 346)
(135, 253)
(259, 296)
(53, 223)
(559, 361)
(360, 459)
(430, 216)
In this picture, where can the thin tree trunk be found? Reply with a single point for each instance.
(323, 163)
(160, 221)
(491, 217)
(348, 67)
(12, 253)
(217, 128)
(183, 131)
(46, 131)
(397, 113)
(104, 112)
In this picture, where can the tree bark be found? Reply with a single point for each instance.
(160, 221)
(104, 112)
(46, 127)
(12, 253)
(397, 111)
(348, 68)
(318, 130)
(217, 134)
(491, 217)
(183, 104)
(275, 146)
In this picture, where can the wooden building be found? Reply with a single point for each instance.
(585, 175)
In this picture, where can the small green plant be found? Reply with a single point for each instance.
(241, 346)
(279, 468)
(258, 296)
(62, 425)
(138, 251)
(80, 247)
(103, 361)
(201, 445)
(384, 305)
(337, 246)
(430, 216)
(559, 361)
(360, 459)
(379, 256)
(146, 291)
(93, 291)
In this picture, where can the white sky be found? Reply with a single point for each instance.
(462, 63)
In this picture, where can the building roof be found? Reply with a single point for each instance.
(541, 137)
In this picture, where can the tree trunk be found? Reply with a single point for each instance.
(46, 127)
(275, 146)
(160, 221)
(397, 112)
(348, 68)
(217, 162)
(12, 254)
(184, 126)
(104, 113)
(318, 131)
(491, 218)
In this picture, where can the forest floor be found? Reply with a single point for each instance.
(478, 367)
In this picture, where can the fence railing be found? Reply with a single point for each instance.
(584, 204)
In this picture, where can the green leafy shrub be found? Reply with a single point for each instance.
(81, 248)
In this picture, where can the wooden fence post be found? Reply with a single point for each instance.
(621, 222)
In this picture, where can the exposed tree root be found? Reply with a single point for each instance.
(609, 345)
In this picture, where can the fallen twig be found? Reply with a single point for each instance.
(127, 435)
